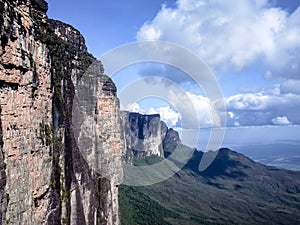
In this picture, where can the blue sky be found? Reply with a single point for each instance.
(251, 46)
(106, 24)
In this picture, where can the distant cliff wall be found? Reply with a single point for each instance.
(44, 178)
(147, 135)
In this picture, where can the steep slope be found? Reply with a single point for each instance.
(144, 135)
(232, 190)
(25, 93)
(44, 177)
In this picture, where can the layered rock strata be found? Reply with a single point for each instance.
(147, 135)
(44, 177)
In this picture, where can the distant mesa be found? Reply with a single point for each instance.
(147, 135)
(232, 190)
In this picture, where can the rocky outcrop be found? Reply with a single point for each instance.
(44, 177)
(171, 141)
(26, 116)
(147, 135)
(99, 136)
(143, 135)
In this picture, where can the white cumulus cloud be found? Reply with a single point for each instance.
(196, 111)
(189, 110)
(271, 107)
(232, 35)
(281, 120)
(167, 114)
(192, 111)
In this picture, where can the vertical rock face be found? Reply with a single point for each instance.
(146, 135)
(171, 141)
(96, 123)
(44, 177)
(26, 116)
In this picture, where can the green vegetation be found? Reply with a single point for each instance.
(63, 192)
(45, 134)
(149, 160)
(137, 208)
(64, 221)
(43, 35)
(62, 53)
(256, 195)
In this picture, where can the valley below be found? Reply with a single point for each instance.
(234, 189)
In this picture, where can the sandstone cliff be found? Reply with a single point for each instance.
(147, 135)
(44, 177)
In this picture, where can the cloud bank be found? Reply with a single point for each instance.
(263, 108)
(271, 107)
(232, 36)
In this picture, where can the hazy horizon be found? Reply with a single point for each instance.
(250, 47)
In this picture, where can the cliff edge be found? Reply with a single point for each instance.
(44, 177)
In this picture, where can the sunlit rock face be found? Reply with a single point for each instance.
(147, 135)
(44, 177)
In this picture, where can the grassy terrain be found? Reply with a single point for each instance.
(134, 204)
(233, 190)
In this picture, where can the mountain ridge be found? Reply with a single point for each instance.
(234, 189)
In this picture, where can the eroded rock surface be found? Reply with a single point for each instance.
(44, 177)
(147, 135)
